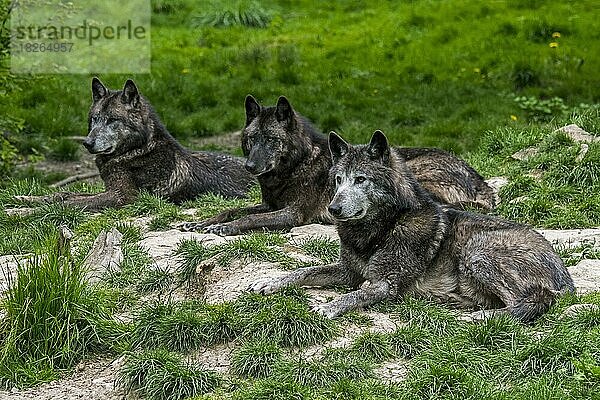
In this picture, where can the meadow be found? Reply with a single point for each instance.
(481, 79)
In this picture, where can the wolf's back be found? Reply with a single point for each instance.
(448, 178)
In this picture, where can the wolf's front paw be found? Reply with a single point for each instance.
(265, 286)
(189, 226)
(325, 309)
(31, 199)
(222, 230)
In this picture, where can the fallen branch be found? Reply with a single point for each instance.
(75, 178)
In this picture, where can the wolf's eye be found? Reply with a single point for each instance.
(359, 179)
(338, 179)
(111, 120)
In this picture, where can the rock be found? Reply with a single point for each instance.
(228, 282)
(497, 183)
(394, 371)
(22, 211)
(525, 154)
(575, 309)
(582, 152)
(577, 134)
(586, 276)
(106, 254)
(570, 238)
(8, 269)
(304, 232)
(161, 245)
(536, 174)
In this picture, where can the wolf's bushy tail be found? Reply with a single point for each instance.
(535, 302)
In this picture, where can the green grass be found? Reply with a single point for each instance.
(256, 358)
(373, 345)
(160, 375)
(479, 58)
(327, 250)
(551, 189)
(284, 319)
(52, 319)
(255, 247)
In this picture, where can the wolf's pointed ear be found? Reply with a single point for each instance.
(130, 93)
(378, 147)
(337, 146)
(284, 110)
(252, 109)
(98, 89)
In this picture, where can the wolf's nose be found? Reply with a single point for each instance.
(250, 166)
(335, 210)
(88, 143)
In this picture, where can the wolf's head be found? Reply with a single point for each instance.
(273, 136)
(369, 179)
(117, 121)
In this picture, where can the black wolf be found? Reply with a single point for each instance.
(291, 161)
(397, 241)
(135, 152)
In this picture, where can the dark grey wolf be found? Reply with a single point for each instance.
(135, 152)
(397, 241)
(291, 161)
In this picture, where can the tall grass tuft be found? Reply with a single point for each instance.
(232, 13)
(52, 319)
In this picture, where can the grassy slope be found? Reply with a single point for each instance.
(427, 73)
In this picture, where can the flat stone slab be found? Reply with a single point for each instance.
(161, 245)
(304, 232)
(569, 238)
(586, 276)
(577, 134)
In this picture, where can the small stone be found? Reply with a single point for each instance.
(582, 152)
(575, 309)
(300, 233)
(577, 134)
(525, 154)
(536, 174)
(571, 238)
(586, 276)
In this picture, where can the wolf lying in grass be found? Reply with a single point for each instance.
(291, 162)
(135, 152)
(397, 241)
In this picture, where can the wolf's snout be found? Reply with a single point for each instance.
(335, 210)
(250, 166)
(88, 143)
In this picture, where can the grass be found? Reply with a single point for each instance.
(325, 249)
(256, 359)
(373, 345)
(160, 375)
(51, 319)
(285, 320)
(255, 247)
(551, 189)
(480, 57)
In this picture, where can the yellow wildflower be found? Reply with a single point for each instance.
(185, 71)
(556, 35)
(513, 117)
(553, 45)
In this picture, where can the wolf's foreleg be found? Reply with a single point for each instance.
(360, 298)
(100, 201)
(284, 219)
(322, 275)
(224, 216)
